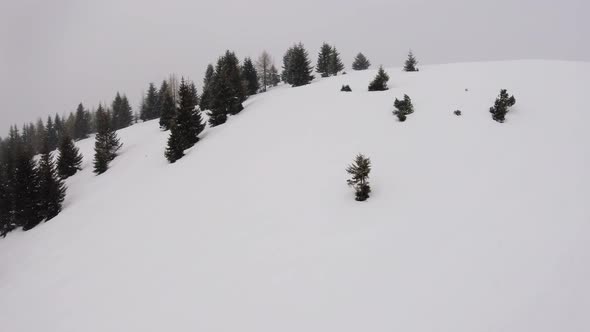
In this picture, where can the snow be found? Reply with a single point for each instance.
(472, 225)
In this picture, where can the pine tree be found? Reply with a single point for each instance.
(335, 64)
(403, 108)
(324, 58)
(286, 74)
(107, 143)
(380, 81)
(81, 125)
(69, 160)
(359, 170)
(501, 105)
(26, 190)
(187, 126)
(122, 115)
(150, 109)
(411, 63)
(206, 95)
(275, 78)
(51, 187)
(299, 66)
(226, 90)
(5, 220)
(167, 107)
(250, 75)
(361, 62)
(59, 127)
(52, 138)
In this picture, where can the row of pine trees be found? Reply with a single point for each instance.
(32, 188)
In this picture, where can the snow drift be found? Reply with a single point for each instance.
(472, 225)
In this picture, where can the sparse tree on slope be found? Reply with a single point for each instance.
(501, 105)
(361, 62)
(263, 65)
(69, 160)
(403, 108)
(380, 81)
(411, 63)
(275, 78)
(52, 190)
(359, 170)
(107, 143)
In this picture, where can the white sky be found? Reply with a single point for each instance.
(55, 54)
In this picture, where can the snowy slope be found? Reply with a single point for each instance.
(472, 225)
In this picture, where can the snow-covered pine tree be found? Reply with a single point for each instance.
(69, 160)
(250, 76)
(361, 62)
(501, 105)
(359, 170)
(380, 81)
(411, 63)
(324, 58)
(52, 190)
(107, 143)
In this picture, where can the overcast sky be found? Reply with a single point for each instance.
(55, 54)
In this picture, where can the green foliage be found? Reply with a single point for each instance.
(250, 76)
(69, 160)
(297, 66)
(360, 62)
(151, 108)
(411, 63)
(323, 63)
(501, 105)
(403, 108)
(380, 81)
(122, 116)
(167, 107)
(107, 143)
(81, 123)
(359, 170)
(226, 90)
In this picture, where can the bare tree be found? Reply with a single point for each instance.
(263, 65)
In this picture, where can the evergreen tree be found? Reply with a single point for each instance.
(81, 123)
(37, 133)
(227, 93)
(107, 143)
(403, 108)
(69, 160)
(286, 74)
(275, 78)
(361, 62)
(52, 138)
(186, 127)
(5, 220)
(59, 126)
(167, 106)
(250, 75)
(51, 187)
(26, 190)
(359, 170)
(122, 115)
(380, 81)
(70, 124)
(411, 63)
(207, 81)
(299, 66)
(501, 105)
(324, 59)
(150, 109)
(335, 64)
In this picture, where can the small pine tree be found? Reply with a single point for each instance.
(107, 143)
(501, 105)
(176, 144)
(335, 65)
(380, 81)
(346, 88)
(360, 62)
(359, 170)
(403, 108)
(52, 190)
(411, 63)
(168, 109)
(250, 76)
(324, 57)
(69, 160)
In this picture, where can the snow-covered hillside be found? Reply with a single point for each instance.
(472, 225)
